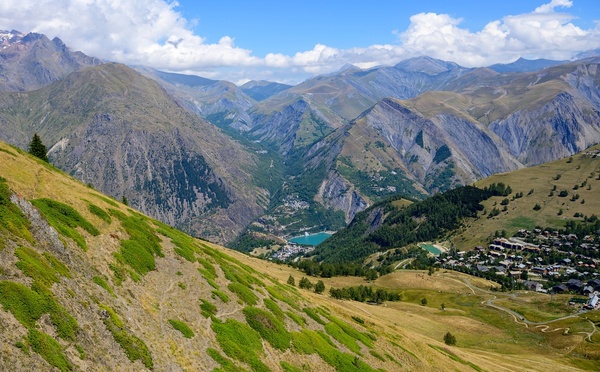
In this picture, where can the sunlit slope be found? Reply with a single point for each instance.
(577, 177)
(116, 290)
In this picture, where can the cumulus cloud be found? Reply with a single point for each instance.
(154, 33)
(144, 31)
(543, 33)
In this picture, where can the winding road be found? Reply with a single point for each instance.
(520, 319)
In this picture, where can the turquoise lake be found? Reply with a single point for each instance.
(430, 248)
(312, 239)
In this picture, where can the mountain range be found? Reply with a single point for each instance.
(215, 159)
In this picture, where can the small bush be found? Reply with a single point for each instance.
(377, 355)
(134, 347)
(182, 327)
(207, 309)
(11, 217)
(244, 293)
(99, 212)
(49, 349)
(45, 269)
(336, 332)
(358, 320)
(310, 312)
(209, 269)
(270, 328)
(102, 283)
(310, 342)
(223, 361)
(222, 295)
(287, 367)
(184, 244)
(284, 294)
(274, 308)
(296, 318)
(28, 305)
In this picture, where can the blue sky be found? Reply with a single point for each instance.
(291, 26)
(291, 41)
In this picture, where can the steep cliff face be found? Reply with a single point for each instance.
(442, 139)
(337, 193)
(560, 128)
(120, 132)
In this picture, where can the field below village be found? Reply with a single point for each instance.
(521, 325)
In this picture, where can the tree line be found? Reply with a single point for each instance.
(364, 293)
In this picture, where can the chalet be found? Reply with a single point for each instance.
(496, 247)
(588, 289)
(539, 270)
(504, 263)
(532, 285)
(559, 288)
(483, 269)
(575, 285)
(593, 302)
(532, 249)
(595, 283)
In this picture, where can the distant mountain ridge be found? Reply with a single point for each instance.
(31, 61)
(336, 143)
(524, 65)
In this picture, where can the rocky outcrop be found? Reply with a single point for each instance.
(337, 193)
(560, 128)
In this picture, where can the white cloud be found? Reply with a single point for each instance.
(154, 33)
(543, 33)
(547, 8)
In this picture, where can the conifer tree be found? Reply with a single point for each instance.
(37, 148)
(291, 281)
(319, 287)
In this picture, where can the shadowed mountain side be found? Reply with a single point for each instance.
(122, 133)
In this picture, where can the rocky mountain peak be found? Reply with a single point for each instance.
(427, 65)
(31, 61)
(8, 38)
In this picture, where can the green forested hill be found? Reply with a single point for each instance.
(385, 225)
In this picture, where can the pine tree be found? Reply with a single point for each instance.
(291, 281)
(305, 283)
(37, 148)
(319, 287)
(449, 339)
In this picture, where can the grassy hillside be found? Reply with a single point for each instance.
(116, 290)
(578, 177)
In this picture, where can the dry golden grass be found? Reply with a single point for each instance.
(541, 179)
